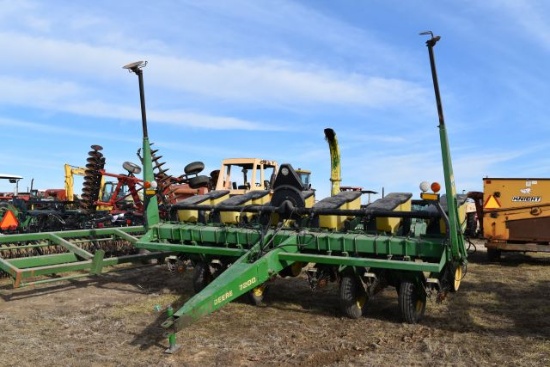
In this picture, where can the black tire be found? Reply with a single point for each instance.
(353, 297)
(412, 302)
(193, 168)
(201, 276)
(493, 254)
(459, 271)
(471, 225)
(199, 181)
(451, 277)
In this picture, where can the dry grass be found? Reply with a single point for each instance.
(500, 316)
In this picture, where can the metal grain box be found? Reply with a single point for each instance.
(516, 209)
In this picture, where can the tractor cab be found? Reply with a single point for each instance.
(241, 175)
(13, 179)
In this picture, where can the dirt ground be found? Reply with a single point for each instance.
(500, 316)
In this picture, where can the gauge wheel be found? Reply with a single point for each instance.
(412, 301)
(202, 276)
(458, 275)
(353, 298)
(256, 295)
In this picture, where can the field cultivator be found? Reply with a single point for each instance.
(239, 243)
(38, 258)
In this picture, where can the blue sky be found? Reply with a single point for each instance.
(264, 78)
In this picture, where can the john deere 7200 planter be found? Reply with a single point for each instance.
(239, 243)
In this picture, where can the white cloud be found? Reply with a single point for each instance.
(38, 92)
(69, 97)
(187, 119)
(278, 82)
(268, 81)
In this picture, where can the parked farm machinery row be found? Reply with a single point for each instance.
(107, 199)
(47, 239)
(102, 203)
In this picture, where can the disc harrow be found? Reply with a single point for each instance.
(163, 180)
(169, 188)
(92, 179)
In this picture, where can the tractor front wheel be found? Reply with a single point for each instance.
(412, 301)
